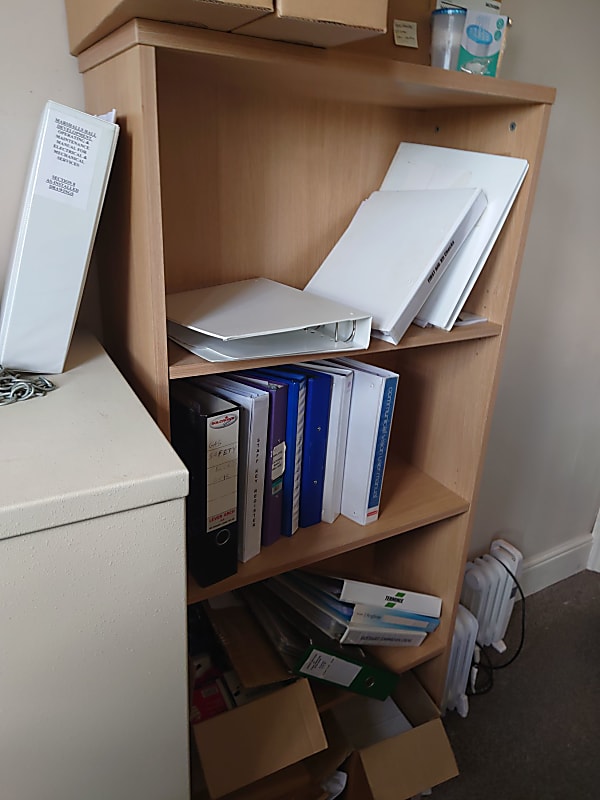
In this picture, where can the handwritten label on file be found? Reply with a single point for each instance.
(222, 470)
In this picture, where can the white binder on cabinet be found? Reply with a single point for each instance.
(258, 318)
(418, 166)
(63, 198)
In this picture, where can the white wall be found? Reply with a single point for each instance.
(35, 66)
(541, 482)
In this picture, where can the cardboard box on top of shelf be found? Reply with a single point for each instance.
(408, 35)
(322, 23)
(270, 733)
(404, 765)
(88, 21)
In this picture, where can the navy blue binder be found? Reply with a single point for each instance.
(294, 437)
(316, 428)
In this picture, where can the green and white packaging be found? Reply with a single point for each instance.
(482, 43)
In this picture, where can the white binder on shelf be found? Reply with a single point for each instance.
(418, 166)
(63, 198)
(257, 318)
(369, 428)
(394, 252)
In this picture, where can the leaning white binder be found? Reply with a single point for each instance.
(258, 318)
(395, 250)
(418, 166)
(63, 198)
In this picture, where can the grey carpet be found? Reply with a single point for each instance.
(535, 735)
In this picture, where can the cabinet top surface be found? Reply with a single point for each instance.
(320, 72)
(85, 450)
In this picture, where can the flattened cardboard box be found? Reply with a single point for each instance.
(272, 732)
(88, 21)
(323, 23)
(405, 765)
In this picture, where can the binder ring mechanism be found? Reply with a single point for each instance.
(336, 331)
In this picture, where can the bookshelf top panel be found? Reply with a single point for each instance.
(319, 72)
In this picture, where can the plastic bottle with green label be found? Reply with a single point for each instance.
(482, 43)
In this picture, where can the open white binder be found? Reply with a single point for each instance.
(258, 318)
(418, 166)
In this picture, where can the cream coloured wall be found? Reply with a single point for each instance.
(541, 481)
(35, 66)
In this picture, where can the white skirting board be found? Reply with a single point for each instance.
(594, 557)
(556, 564)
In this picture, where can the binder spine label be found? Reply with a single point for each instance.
(221, 466)
(329, 668)
(381, 446)
(278, 464)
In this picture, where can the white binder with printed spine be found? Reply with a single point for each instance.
(394, 251)
(369, 427)
(66, 185)
(419, 166)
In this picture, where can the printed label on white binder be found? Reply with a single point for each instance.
(67, 165)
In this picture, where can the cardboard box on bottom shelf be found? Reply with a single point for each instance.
(281, 748)
(323, 23)
(400, 766)
(267, 734)
(88, 21)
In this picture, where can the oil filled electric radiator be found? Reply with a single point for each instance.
(486, 604)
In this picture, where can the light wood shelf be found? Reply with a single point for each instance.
(183, 364)
(410, 500)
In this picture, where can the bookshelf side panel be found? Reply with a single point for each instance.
(129, 246)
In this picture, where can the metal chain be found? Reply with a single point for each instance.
(15, 386)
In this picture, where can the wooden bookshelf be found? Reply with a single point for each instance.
(241, 158)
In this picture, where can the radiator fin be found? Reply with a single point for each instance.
(459, 666)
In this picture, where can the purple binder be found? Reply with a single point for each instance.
(273, 496)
